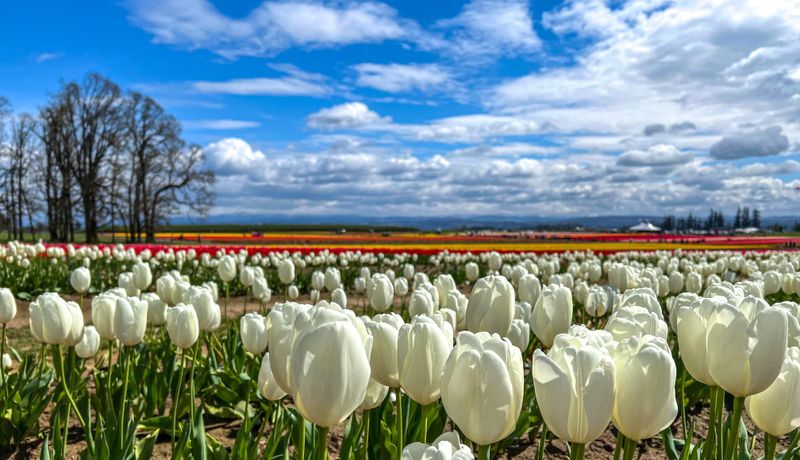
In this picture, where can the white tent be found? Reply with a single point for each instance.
(644, 227)
(747, 230)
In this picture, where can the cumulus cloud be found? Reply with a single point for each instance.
(657, 155)
(756, 143)
(361, 181)
(770, 169)
(487, 29)
(345, 116)
(269, 28)
(709, 63)
(233, 156)
(610, 107)
(395, 78)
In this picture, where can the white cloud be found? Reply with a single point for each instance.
(363, 182)
(513, 149)
(395, 78)
(691, 60)
(43, 57)
(318, 24)
(650, 95)
(233, 156)
(458, 129)
(489, 29)
(657, 155)
(596, 18)
(269, 28)
(473, 128)
(283, 86)
(221, 124)
(345, 116)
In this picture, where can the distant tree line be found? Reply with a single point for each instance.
(97, 157)
(715, 221)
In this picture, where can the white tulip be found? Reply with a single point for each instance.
(80, 280)
(89, 344)
(8, 306)
(491, 305)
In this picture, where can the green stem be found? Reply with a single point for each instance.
(227, 301)
(110, 364)
(263, 429)
(484, 452)
(365, 417)
(683, 406)
(300, 448)
(2, 367)
(322, 444)
(216, 345)
(720, 447)
(630, 449)
(191, 381)
(576, 451)
(69, 409)
(41, 359)
(66, 429)
(123, 404)
(770, 443)
(618, 447)
(59, 363)
(424, 413)
(711, 436)
(733, 433)
(542, 442)
(399, 422)
(175, 400)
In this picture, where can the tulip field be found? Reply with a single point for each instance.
(401, 349)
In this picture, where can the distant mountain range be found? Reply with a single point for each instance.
(453, 222)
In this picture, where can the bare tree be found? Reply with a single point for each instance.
(183, 186)
(108, 158)
(60, 146)
(5, 111)
(165, 176)
(150, 132)
(99, 131)
(15, 176)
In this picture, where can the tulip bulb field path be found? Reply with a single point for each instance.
(579, 346)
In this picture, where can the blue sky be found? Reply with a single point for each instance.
(484, 107)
